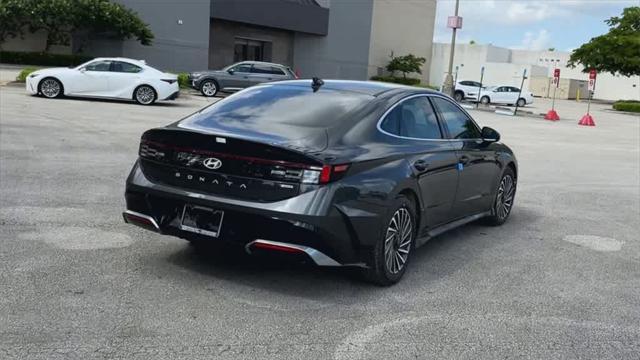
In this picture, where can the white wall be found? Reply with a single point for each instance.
(392, 20)
(502, 64)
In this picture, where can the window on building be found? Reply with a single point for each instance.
(251, 50)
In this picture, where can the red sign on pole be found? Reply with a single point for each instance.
(592, 80)
(556, 77)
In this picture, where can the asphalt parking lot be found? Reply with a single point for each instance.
(560, 280)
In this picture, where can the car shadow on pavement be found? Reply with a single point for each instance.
(168, 103)
(437, 259)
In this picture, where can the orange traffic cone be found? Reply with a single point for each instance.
(552, 115)
(587, 120)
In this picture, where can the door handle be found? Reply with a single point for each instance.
(421, 165)
(464, 160)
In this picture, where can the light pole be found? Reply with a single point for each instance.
(455, 23)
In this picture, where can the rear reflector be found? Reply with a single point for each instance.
(274, 247)
(170, 81)
(132, 217)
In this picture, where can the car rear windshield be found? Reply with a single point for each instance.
(281, 104)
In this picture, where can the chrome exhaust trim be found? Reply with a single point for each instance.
(129, 218)
(317, 256)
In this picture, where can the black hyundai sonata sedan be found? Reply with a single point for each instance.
(340, 173)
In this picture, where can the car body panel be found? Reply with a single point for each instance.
(81, 81)
(342, 218)
(505, 94)
(241, 75)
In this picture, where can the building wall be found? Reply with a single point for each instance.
(539, 63)
(223, 35)
(33, 42)
(177, 47)
(344, 52)
(402, 28)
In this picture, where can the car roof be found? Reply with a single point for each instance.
(261, 63)
(373, 88)
(133, 61)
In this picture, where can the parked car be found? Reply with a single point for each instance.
(505, 95)
(466, 89)
(340, 173)
(114, 78)
(238, 76)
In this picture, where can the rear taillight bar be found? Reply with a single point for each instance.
(310, 174)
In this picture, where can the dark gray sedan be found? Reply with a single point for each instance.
(238, 76)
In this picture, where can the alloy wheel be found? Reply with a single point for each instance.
(145, 95)
(50, 88)
(521, 103)
(504, 199)
(398, 238)
(209, 88)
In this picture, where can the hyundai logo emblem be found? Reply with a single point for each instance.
(212, 163)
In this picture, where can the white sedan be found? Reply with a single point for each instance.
(505, 95)
(114, 78)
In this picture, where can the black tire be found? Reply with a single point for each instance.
(501, 209)
(209, 88)
(522, 102)
(381, 271)
(145, 95)
(458, 96)
(50, 88)
(485, 100)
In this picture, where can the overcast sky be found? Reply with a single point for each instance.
(529, 24)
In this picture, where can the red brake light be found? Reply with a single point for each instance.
(325, 174)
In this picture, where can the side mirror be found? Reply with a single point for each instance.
(230, 71)
(490, 135)
(83, 70)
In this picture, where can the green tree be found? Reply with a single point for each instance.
(13, 18)
(616, 52)
(60, 19)
(406, 64)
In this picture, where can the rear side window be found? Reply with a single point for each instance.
(125, 67)
(101, 65)
(276, 71)
(412, 118)
(460, 125)
(243, 68)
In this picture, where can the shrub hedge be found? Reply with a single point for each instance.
(397, 80)
(22, 77)
(183, 80)
(627, 105)
(42, 59)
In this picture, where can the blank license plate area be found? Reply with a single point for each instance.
(201, 220)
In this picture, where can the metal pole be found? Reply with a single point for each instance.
(480, 88)
(524, 76)
(589, 103)
(448, 80)
(455, 81)
(553, 103)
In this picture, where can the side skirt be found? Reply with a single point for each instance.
(446, 227)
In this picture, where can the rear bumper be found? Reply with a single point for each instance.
(173, 96)
(308, 223)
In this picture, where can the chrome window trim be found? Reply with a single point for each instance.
(379, 127)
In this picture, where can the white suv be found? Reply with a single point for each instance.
(466, 89)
